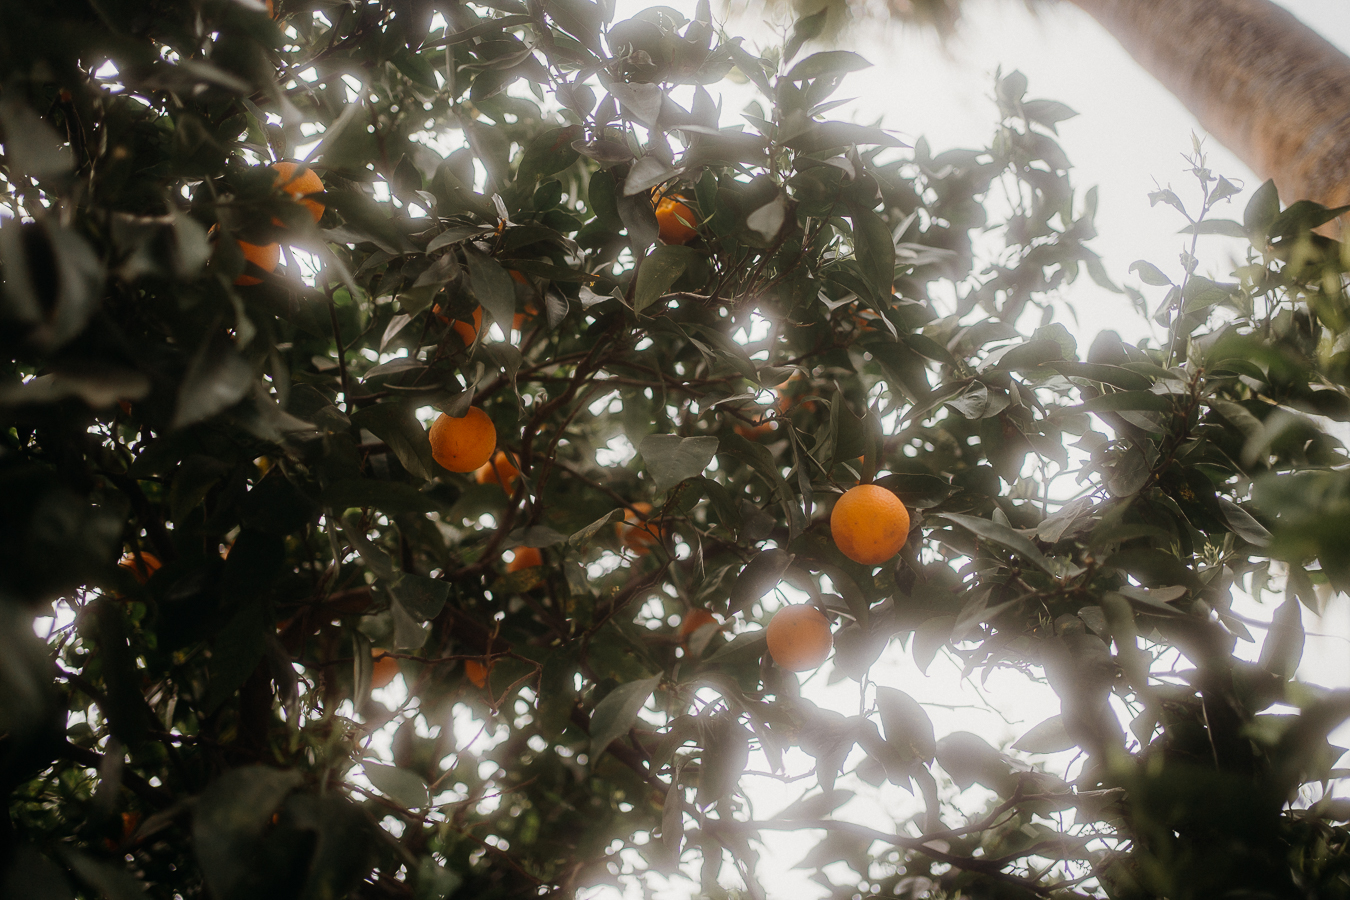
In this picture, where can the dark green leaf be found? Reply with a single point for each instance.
(1005, 537)
(617, 713)
(671, 459)
(387, 496)
(423, 597)
(1261, 211)
(758, 577)
(828, 62)
(217, 379)
(491, 286)
(908, 729)
(394, 423)
(1149, 273)
(659, 270)
(929, 638)
(1144, 401)
(875, 249)
(405, 788)
(1283, 647)
(230, 823)
(1047, 737)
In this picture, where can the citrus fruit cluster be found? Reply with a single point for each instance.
(299, 182)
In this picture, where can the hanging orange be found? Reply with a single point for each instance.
(500, 470)
(299, 180)
(465, 443)
(476, 672)
(799, 637)
(525, 558)
(383, 670)
(635, 532)
(142, 569)
(675, 221)
(869, 524)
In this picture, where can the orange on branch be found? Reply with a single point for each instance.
(143, 568)
(463, 444)
(500, 470)
(675, 221)
(869, 524)
(265, 256)
(696, 619)
(467, 332)
(635, 532)
(476, 672)
(299, 180)
(525, 558)
(382, 670)
(799, 637)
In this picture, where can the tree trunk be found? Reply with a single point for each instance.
(1267, 86)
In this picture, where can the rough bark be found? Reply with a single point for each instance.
(1265, 85)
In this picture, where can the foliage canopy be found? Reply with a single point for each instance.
(850, 310)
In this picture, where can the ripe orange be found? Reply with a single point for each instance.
(525, 558)
(675, 221)
(696, 619)
(791, 392)
(383, 670)
(500, 470)
(869, 524)
(463, 444)
(266, 257)
(635, 532)
(799, 637)
(143, 569)
(298, 180)
(467, 332)
(476, 672)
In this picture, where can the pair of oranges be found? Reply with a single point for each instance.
(869, 525)
(384, 668)
(299, 181)
(468, 329)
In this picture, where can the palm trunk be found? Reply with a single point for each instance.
(1265, 85)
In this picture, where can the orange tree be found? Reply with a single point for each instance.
(247, 439)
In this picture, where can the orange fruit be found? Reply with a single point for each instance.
(799, 637)
(500, 470)
(465, 443)
(696, 619)
(675, 221)
(142, 569)
(266, 257)
(869, 524)
(635, 532)
(476, 672)
(299, 180)
(468, 333)
(525, 558)
(790, 394)
(383, 670)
